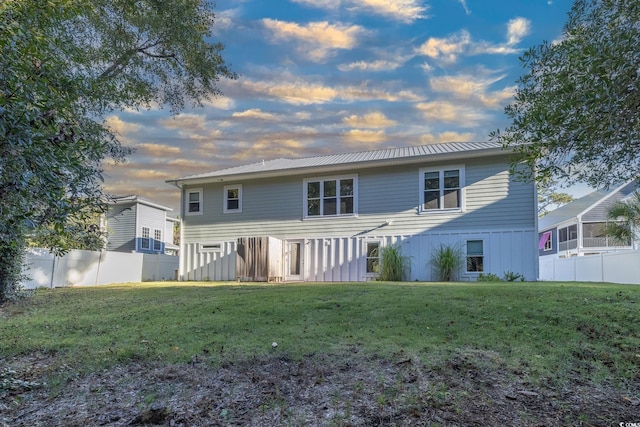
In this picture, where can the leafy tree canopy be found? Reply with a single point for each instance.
(575, 113)
(63, 65)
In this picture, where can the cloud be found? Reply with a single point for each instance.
(446, 49)
(296, 91)
(466, 86)
(366, 136)
(464, 5)
(448, 136)
(157, 150)
(374, 119)
(269, 148)
(316, 40)
(184, 121)
(220, 103)
(405, 11)
(255, 113)
(378, 65)
(119, 126)
(444, 111)
(517, 28)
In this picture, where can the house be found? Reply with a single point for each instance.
(135, 224)
(324, 218)
(577, 228)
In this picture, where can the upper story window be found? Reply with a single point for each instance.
(193, 202)
(232, 198)
(157, 240)
(441, 189)
(145, 242)
(336, 196)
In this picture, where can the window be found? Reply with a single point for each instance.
(145, 243)
(330, 197)
(545, 243)
(441, 189)
(193, 202)
(211, 247)
(475, 256)
(372, 257)
(232, 199)
(157, 240)
(568, 237)
(548, 245)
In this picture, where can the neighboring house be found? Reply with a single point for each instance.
(578, 228)
(135, 224)
(323, 218)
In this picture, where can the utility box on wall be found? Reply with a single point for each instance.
(259, 259)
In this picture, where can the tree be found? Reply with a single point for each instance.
(624, 217)
(575, 112)
(548, 196)
(64, 64)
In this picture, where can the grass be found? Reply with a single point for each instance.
(545, 331)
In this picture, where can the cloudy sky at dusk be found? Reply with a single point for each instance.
(332, 76)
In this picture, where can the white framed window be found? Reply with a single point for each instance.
(157, 240)
(193, 201)
(442, 189)
(372, 256)
(211, 247)
(145, 242)
(232, 202)
(331, 196)
(475, 256)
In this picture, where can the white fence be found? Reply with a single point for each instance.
(616, 267)
(87, 268)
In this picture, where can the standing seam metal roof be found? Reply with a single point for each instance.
(349, 158)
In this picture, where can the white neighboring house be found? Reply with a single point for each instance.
(322, 218)
(577, 228)
(135, 224)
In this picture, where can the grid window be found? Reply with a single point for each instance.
(145, 242)
(157, 240)
(330, 197)
(475, 256)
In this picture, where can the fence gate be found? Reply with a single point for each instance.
(259, 259)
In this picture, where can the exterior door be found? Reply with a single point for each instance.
(294, 250)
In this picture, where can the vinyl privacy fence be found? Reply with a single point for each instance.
(89, 268)
(616, 267)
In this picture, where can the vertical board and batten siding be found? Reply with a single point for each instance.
(498, 210)
(121, 226)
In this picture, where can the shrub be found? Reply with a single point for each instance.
(510, 276)
(392, 264)
(489, 277)
(447, 261)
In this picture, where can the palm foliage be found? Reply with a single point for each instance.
(625, 216)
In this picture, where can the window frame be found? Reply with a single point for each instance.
(146, 238)
(467, 256)
(187, 201)
(226, 199)
(157, 240)
(441, 189)
(548, 245)
(321, 197)
(365, 251)
(210, 247)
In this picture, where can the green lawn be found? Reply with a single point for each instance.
(547, 331)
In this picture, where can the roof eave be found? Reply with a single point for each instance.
(472, 154)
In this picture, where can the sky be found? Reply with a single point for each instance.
(335, 76)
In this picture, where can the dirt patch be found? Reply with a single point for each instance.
(319, 390)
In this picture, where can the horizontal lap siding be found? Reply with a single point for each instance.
(121, 228)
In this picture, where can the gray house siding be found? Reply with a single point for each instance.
(497, 210)
(121, 226)
(154, 219)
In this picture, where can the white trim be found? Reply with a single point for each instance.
(142, 238)
(187, 193)
(441, 170)
(323, 179)
(365, 242)
(225, 198)
(466, 254)
(160, 241)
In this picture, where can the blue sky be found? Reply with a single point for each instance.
(334, 76)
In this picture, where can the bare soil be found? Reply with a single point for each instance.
(319, 390)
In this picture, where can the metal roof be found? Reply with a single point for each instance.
(354, 160)
(132, 198)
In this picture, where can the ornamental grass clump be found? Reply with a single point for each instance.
(393, 264)
(446, 262)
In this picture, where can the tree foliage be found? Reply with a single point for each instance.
(575, 113)
(63, 65)
(550, 198)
